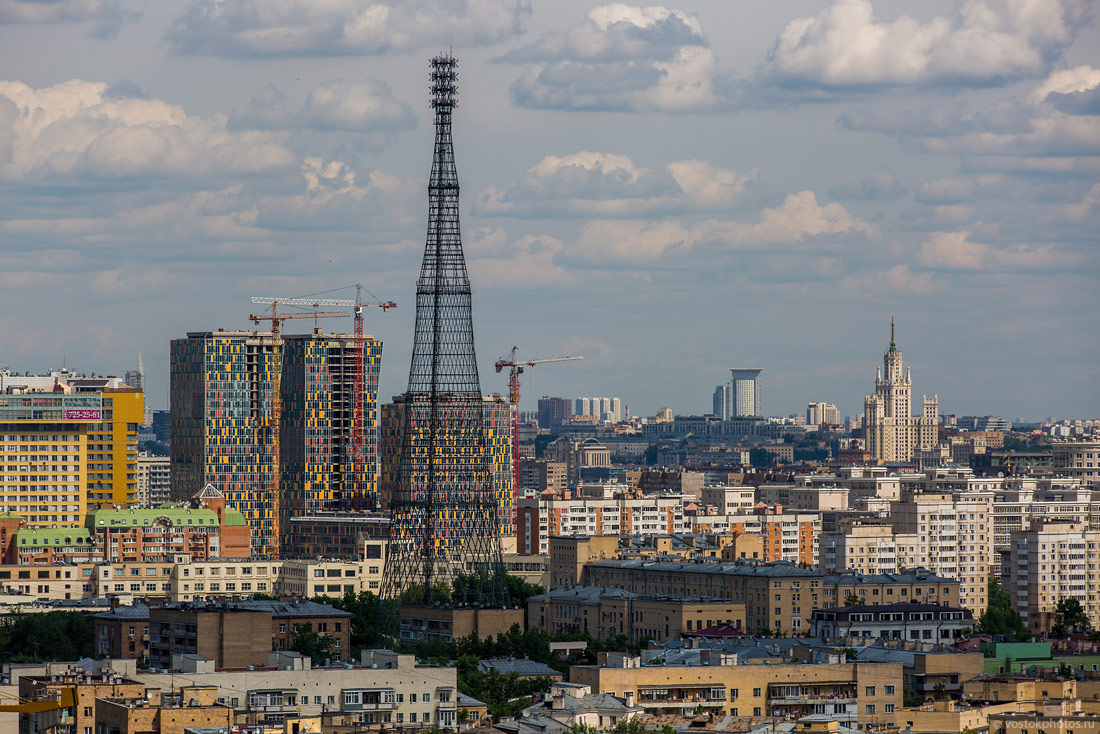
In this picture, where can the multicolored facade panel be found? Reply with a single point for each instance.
(222, 423)
(497, 420)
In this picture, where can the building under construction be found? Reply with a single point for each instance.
(224, 424)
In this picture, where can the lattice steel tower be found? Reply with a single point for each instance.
(443, 514)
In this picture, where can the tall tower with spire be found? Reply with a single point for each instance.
(443, 527)
(890, 431)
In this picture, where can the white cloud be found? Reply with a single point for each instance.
(1066, 81)
(243, 28)
(496, 260)
(611, 185)
(899, 280)
(338, 105)
(75, 131)
(786, 228)
(108, 16)
(983, 43)
(955, 251)
(958, 190)
(622, 57)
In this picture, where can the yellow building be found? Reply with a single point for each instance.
(68, 444)
(867, 693)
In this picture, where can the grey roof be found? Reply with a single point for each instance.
(584, 594)
(137, 612)
(779, 569)
(885, 655)
(461, 699)
(519, 667)
(299, 608)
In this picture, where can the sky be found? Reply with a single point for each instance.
(669, 191)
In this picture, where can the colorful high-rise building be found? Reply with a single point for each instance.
(68, 444)
(223, 424)
(497, 418)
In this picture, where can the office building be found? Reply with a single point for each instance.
(223, 422)
(497, 419)
(745, 393)
(162, 426)
(890, 432)
(553, 412)
(68, 443)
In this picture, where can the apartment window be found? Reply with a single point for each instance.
(717, 694)
(412, 716)
(870, 708)
(756, 692)
(756, 711)
(888, 708)
(870, 690)
(412, 699)
(888, 690)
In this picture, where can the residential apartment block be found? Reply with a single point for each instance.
(1051, 561)
(223, 423)
(68, 443)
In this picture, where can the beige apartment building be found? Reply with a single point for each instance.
(856, 693)
(1053, 560)
(949, 534)
(1079, 460)
(1024, 500)
(605, 613)
(777, 596)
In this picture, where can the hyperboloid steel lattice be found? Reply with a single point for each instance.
(443, 532)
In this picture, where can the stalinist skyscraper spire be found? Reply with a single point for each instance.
(890, 430)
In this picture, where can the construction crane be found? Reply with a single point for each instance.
(357, 307)
(276, 320)
(515, 369)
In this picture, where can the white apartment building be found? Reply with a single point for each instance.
(596, 509)
(1026, 500)
(729, 500)
(860, 481)
(154, 481)
(1053, 560)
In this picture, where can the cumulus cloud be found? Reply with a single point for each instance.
(956, 251)
(948, 191)
(1066, 81)
(980, 44)
(622, 57)
(243, 28)
(789, 226)
(77, 131)
(900, 280)
(610, 185)
(107, 16)
(366, 106)
(498, 260)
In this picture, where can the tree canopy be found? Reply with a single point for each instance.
(38, 638)
(999, 618)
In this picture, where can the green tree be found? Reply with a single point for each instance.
(939, 691)
(317, 646)
(852, 600)
(632, 725)
(1069, 616)
(38, 638)
(999, 618)
(760, 457)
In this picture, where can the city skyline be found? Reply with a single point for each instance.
(952, 185)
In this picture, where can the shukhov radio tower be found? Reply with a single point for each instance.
(443, 524)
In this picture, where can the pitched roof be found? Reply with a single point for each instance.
(519, 667)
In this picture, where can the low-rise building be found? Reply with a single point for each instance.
(453, 623)
(903, 621)
(606, 612)
(863, 693)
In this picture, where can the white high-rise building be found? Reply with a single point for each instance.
(745, 392)
(890, 431)
(605, 409)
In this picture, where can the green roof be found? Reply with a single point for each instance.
(10, 516)
(53, 536)
(144, 517)
(234, 517)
